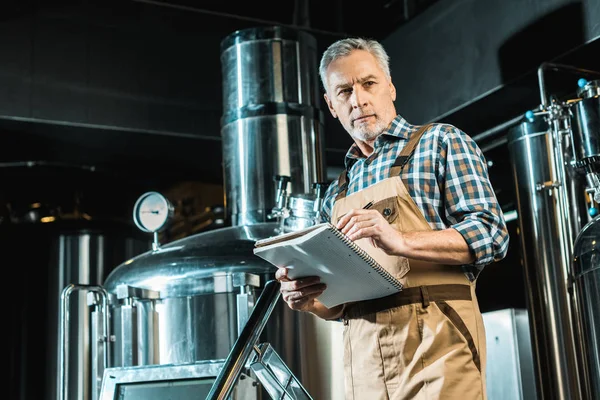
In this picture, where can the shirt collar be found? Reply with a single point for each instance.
(398, 129)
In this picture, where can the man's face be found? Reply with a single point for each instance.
(360, 95)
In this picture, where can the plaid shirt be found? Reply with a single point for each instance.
(446, 177)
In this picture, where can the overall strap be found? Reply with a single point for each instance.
(342, 185)
(408, 151)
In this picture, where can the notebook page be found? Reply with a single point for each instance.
(348, 276)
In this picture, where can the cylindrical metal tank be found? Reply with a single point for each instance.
(586, 271)
(181, 304)
(551, 206)
(63, 252)
(586, 125)
(271, 123)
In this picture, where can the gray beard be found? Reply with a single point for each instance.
(365, 134)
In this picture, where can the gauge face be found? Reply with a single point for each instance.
(152, 211)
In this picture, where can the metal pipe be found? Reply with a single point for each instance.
(498, 129)
(63, 366)
(557, 67)
(245, 343)
(565, 354)
(492, 132)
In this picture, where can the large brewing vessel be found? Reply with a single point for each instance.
(586, 270)
(554, 153)
(272, 124)
(545, 254)
(185, 302)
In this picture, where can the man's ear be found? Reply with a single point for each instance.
(393, 91)
(330, 106)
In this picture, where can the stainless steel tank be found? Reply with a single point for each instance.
(271, 124)
(586, 124)
(586, 260)
(586, 271)
(551, 208)
(65, 251)
(178, 304)
(187, 301)
(586, 137)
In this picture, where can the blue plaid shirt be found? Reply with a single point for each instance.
(446, 177)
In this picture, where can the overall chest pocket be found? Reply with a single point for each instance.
(388, 208)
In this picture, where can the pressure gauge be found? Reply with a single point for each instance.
(152, 211)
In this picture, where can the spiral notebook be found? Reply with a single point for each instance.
(350, 273)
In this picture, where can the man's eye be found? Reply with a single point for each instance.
(369, 83)
(345, 91)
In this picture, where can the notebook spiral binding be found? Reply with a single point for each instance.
(365, 256)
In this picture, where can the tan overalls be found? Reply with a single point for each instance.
(427, 342)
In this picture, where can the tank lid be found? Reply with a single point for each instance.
(201, 263)
(586, 251)
(527, 128)
(265, 33)
(589, 90)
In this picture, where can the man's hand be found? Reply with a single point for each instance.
(445, 246)
(358, 224)
(299, 294)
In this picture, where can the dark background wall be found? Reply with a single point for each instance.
(458, 51)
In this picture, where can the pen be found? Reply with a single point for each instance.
(365, 207)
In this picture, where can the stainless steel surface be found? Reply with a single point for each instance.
(55, 255)
(272, 124)
(586, 270)
(589, 90)
(98, 331)
(196, 315)
(509, 370)
(275, 376)
(159, 382)
(245, 343)
(200, 264)
(545, 214)
(586, 129)
(81, 252)
(301, 213)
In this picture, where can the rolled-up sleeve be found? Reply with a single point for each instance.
(471, 206)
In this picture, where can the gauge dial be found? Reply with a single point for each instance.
(152, 211)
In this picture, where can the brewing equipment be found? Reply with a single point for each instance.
(177, 310)
(554, 153)
(48, 242)
(271, 124)
(586, 271)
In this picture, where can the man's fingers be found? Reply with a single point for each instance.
(307, 291)
(354, 216)
(360, 233)
(300, 283)
(298, 304)
(281, 274)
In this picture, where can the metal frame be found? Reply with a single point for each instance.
(113, 377)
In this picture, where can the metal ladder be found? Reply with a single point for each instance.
(277, 379)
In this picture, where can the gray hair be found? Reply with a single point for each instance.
(344, 47)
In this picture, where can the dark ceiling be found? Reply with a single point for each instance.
(335, 18)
